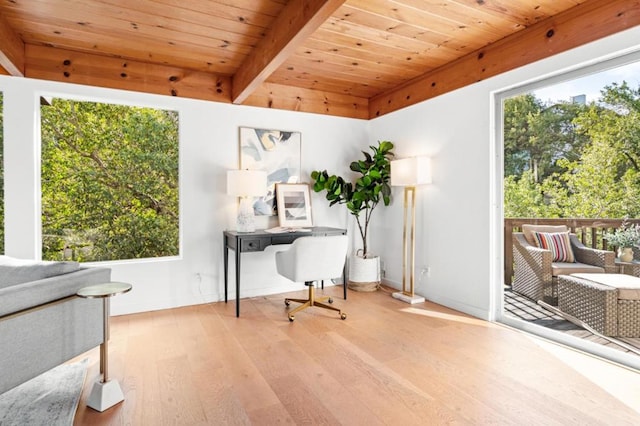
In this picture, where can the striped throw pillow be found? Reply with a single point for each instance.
(558, 243)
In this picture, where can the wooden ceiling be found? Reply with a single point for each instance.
(353, 58)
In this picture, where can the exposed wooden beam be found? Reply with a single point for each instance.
(50, 63)
(579, 25)
(298, 20)
(293, 98)
(11, 50)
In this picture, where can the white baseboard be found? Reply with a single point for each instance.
(124, 306)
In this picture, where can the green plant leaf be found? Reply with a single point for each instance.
(364, 193)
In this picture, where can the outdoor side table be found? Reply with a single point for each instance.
(105, 393)
(629, 268)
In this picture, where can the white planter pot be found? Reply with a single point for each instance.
(364, 274)
(625, 254)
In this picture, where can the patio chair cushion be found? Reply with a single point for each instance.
(558, 243)
(563, 268)
(528, 231)
(628, 286)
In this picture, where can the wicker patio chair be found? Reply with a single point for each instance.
(536, 275)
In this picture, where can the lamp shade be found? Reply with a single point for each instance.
(245, 183)
(411, 171)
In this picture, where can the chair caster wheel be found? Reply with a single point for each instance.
(343, 316)
(330, 300)
(286, 302)
(291, 318)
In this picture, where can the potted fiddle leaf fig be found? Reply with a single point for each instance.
(361, 197)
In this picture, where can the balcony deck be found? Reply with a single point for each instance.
(518, 306)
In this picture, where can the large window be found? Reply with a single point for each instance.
(109, 181)
(571, 158)
(573, 149)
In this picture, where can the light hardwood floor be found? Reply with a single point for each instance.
(389, 363)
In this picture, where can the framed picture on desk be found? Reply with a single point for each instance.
(294, 205)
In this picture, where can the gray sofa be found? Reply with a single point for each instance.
(42, 324)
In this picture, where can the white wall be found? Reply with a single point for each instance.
(459, 216)
(208, 147)
(452, 214)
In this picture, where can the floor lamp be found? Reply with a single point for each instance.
(246, 184)
(409, 173)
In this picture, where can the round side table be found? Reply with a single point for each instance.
(105, 393)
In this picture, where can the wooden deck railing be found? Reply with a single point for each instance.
(589, 231)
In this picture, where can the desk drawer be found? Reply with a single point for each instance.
(283, 239)
(253, 244)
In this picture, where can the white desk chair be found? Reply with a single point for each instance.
(312, 259)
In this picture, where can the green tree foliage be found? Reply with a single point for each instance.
(109, 181)
(591, 189)
(536, 135)
(590, 169)
(618, 123)
(523, 197)
(1, 174)
(518, 113)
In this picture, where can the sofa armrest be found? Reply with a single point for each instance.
(603, 258)
(535, 257)
(532, 273)
(532, 263)
(26, 295)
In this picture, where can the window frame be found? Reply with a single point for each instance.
(71, 96)
(496, 307)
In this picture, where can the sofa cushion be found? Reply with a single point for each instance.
(628, 286)
(562, 268)
(17, 271)
(558, 243)
(528, 231)
(27, 295)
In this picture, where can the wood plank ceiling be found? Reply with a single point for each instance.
(353, 58)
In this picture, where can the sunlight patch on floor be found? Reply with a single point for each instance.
(449, 317)
(620, 382)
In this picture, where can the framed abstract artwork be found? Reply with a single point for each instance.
(275, 151)
(294, 205)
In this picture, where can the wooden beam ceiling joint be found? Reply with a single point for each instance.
(297, 21)
(11, 50)
(50, 63)
(577, 26)
(358, 59)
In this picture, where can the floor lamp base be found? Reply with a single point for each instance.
(407, 298)
(105, 395)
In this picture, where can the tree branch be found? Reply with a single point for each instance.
(110, 181)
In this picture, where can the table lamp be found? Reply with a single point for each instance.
(409, 173)
(246, 184)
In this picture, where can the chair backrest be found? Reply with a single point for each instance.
(528, 231)
(313, 258)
